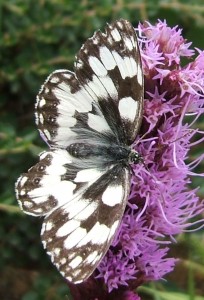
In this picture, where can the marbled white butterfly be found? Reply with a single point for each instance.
(89, 119)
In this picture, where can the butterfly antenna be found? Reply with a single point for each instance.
(179, 138)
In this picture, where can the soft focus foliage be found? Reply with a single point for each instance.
(37, 38)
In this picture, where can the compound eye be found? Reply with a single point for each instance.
(135, 157)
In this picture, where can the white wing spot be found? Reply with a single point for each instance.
(97, 87)
(98, 123)
(57, 251)
(91, 257)
(43, 229)
(44, 244)
(67, 228)
(49, 225)
(79, 64)
(76, 272)
(76, 236)
(43, 154)
(62, 273)
(22, 180)
(67, 75)
(128, 44)
(38, 210)
(120, 25)
(69, 278)
(41, 118)
(97, 258)
(84, 49)
(27, 204)
(36, 118)
(112, 195)
(75, 262)
(42, 102)
(97, 235)
(128, 108)
(79, 281)
(64, 191)
(111, 88)
(107, 58)
(87, 175)
(72, 255)
(76, 206)
(54, 79)
(63, 261)
(116, 35)
(46, 91)
(95, 40)
(110, 40)
(139, 75)
(132, 67)
(97, 66)
(87, 211)
(121, 63)
(113, 229)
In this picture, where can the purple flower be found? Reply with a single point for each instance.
(161, 204)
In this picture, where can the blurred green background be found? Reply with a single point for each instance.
(37, 37)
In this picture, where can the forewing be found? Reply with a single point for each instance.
(104, 96)
(109, 67)
(78, 234)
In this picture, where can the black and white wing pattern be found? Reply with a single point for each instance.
(82, 209)
(89, 118)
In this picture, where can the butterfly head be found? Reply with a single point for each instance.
(135, 157)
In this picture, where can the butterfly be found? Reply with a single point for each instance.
(89, 118)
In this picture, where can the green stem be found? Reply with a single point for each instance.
(10, 208)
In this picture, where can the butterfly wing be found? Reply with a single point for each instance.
(109, 68)
(66, 113)
(103, 96)
(82, 209)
